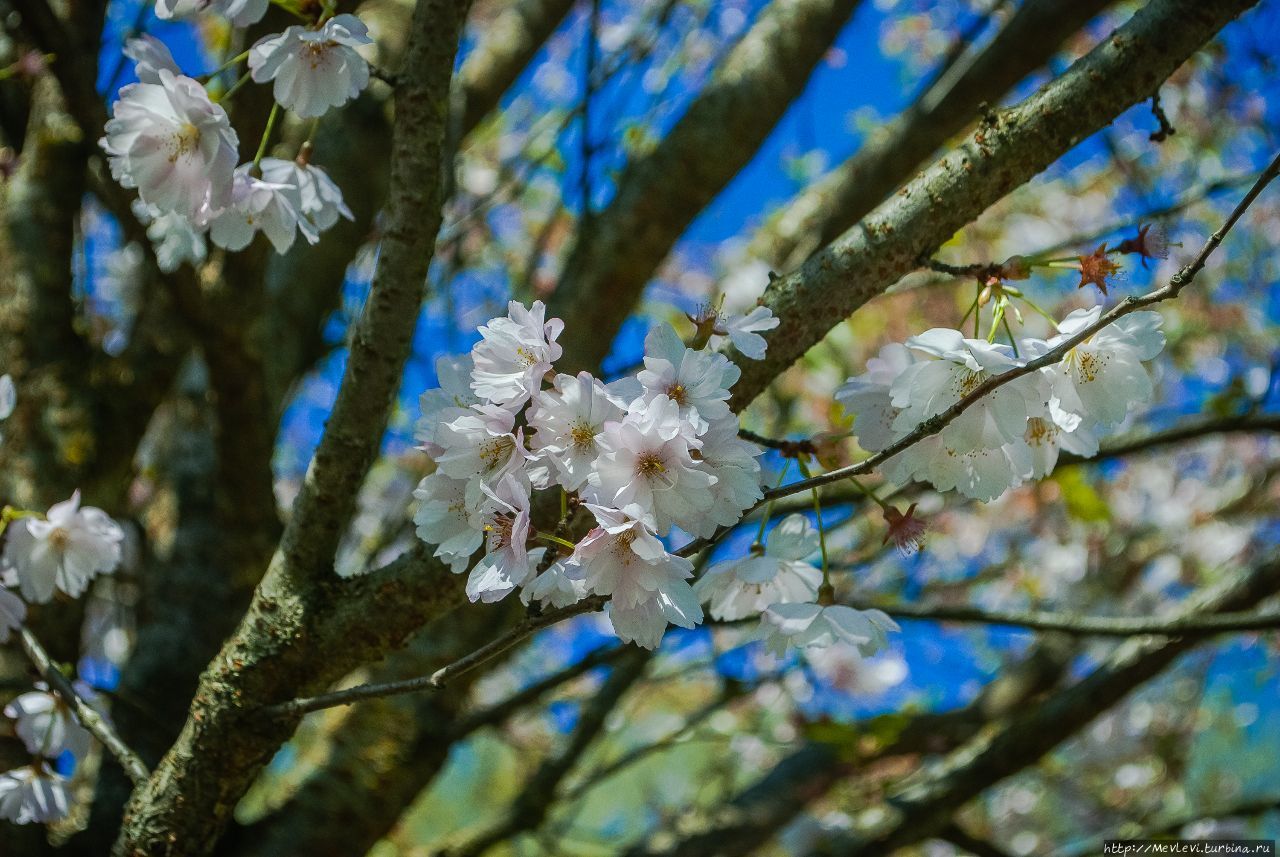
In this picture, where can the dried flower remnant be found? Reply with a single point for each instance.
(1096, 268)
(1151, 242)
(906, 531)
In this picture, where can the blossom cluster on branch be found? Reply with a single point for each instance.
(49, 556)
(174, 143)
(1015, 432)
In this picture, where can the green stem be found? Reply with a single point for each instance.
(768, 509)
(1008, 330)
(871, 495)
(556, 540)
(235, 87)
(235, 60)
(266, 138)
(822, 533)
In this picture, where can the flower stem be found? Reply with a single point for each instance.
(235, 60)
(822, 533)
(235, 87)
(266, 138)
(768, 509)
(556, 540)
(871, 495)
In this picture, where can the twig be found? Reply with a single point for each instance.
(439, 679)
(1092, 626)
(1166, 129)
(788, 447)
(88, 717)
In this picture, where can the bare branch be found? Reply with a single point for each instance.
(441, 677)
(925, 803)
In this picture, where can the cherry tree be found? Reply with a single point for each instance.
(409, 430)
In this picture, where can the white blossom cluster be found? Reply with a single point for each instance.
(61, 551)
(175, 144)
(640, 456)
(1015, 432)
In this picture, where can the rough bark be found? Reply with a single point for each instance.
(660, 194)
(1005, 151)
(188, 800)
(842, 197)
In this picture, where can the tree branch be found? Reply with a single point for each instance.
(1089, 626)
(997, 157)
(938, 422)
(439, 679)
(540, 791)
(190, 796)
(925, 804)
(88, 717)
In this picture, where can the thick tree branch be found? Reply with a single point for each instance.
(1000, 155)
(759, 811)
(660, 194)
(188, 799)
(842, 197)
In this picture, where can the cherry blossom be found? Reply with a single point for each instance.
(1102, 377)
(515, 354)
(481, 443)
(802, 625)
(260, 205)
(506, 526)
(173, 144)
(622, 558)
(33, 795)
(553, 587)
(149, 55)
(319, 200)
(646, 460)
(241, 13)
(905, 530)
(733, 463)
(449, 516)
(64, 551)
(452, 399)
(868, 399)
(697, 381)
(568, 421)
(314, 68)
(175, 238)
(775, 573)
(47, 725)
